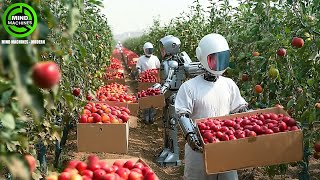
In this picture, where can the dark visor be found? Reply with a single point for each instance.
(148, 51)
(218, 61)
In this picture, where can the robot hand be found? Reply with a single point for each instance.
(188, 129)
(240, 109)
(194, 143)
(163, 88)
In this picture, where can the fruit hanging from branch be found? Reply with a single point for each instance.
(46, 74)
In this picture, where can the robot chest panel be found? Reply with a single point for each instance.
(178, 78)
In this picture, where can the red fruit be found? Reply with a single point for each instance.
(249, 127)
(123, 173)
(76, 92)
(119, 163)
(96, 117)
(89, 97)
(136, 170)
(150, 176)
(283, 126)
(135, 176)
(93, 166)
(83, 119)
(146, 170)
(219, 134)
(316, 155)
(297, 42)
(93, 158)
(46, 74)
(257, 129)
(251, 134)
(229, 132)
(291, 122)
(317, 147)
(232, 137)
(138, 165)
(98, 174)
(242, 135)
(110, 177)
(64, 176)
(129, 164)
(86, 178)
(274, 117)
(244, 77)
(294, 128)
(31, 162)
(285, 119)
(281, 52)
(268, 131)
(276, 129)
(224, 137)
(87, 173)
(81, 166)
(229, 123)
(223, 129)
(73, 163)
(207, 135)
(266, 116)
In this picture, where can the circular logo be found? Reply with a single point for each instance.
(20, 20)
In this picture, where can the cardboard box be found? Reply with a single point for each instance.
(263, 150)
(120, 81)
(88, 135)
(145, 85)
(135, 160)
(157, 101)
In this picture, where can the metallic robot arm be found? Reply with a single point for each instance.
(241, 108)
(193, 69)
(173, 65)
(188, 129)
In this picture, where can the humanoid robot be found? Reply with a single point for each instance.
(175, 69)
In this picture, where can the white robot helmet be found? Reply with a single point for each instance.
(148, 49)
(213, 53)
(169, 45)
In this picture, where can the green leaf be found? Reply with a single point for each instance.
(7, 121)
(310, 82)
(5, 98)
(290, 103)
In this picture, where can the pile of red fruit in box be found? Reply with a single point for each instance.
(215, 130)
(115, 92)
(96, 169)
(148, 76)
(113, 75)
(115, 64)
(103, 113)
(148, 92)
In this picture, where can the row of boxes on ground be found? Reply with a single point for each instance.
(263, 150)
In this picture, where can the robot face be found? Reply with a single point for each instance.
(169, 45)
(218, 61)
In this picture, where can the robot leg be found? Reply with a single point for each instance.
(145, 113)
(152, 114)
(169, 156)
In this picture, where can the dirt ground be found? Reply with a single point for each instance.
(145, 141)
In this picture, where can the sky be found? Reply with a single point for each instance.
(137, 15)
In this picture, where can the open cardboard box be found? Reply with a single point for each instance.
(157, 101)
(94, 137)
(263, 150)
(134, 160)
